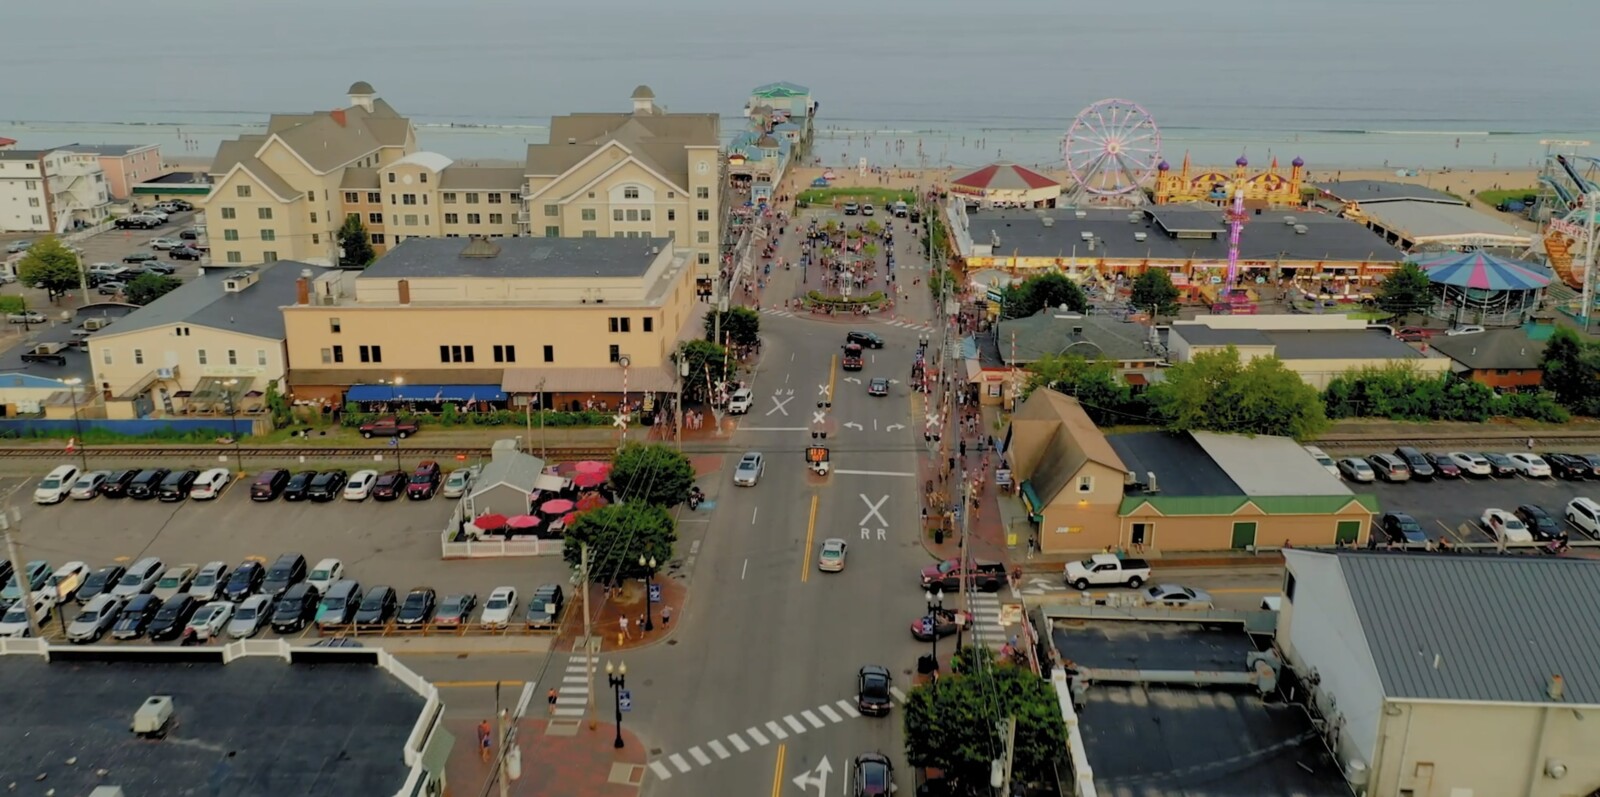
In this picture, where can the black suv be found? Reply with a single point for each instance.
(176, 486)
(1567, 466)
(296, 608)
(867, 339)
(1540, 523)
(144, 485)
(377, 607)
(183, 253)
(116, 485)
(289, 570)
(872, 690)
(244, 581)
(268, 484)
(172, 618)
(1421, 468)
(1402, 529)
(298, 484)
(325, 486)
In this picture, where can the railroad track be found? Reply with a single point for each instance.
(280, 452)
(1509, 441)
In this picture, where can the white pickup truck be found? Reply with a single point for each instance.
(1104, 569)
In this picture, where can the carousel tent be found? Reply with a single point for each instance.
(1008, 182)
(1483, 272)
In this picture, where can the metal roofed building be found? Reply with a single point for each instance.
(303, 722)
(1368, 192)
(1317, 347)
(1451, 674)
(1190, 239)
(1417, 224)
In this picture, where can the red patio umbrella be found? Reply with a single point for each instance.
(556, 507)
(589, 501)
(586, 479)
(568, 518)
(592, 466)
(490, 522)
(524, 521)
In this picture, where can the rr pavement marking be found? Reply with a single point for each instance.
(755, 733)
(777, 730)
(874, 510)
(700, 756)
(716, 747)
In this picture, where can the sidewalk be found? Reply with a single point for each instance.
(629, 602)
(553, 765)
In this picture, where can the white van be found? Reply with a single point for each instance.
(741, 401)
(55, 486)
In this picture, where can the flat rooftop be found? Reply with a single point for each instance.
(257, 727)
(1220, 742)
(519, 257)
(1314, 344)
(1373, 191)
(56, 331)
(1181, 465)
(180, 178)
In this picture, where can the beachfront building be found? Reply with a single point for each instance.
(1413, 217)
(646, 173)
(53, 190)
(278, 195)
(1190, 241)
(125, 165)
(1264, 189)
(1317, 347)
(495, 323)
(189, 186)
(784, 103)
(426, 194)
(1007, 185)
(757, 161)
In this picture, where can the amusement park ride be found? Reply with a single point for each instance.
(1111, 149)
(1568, 201)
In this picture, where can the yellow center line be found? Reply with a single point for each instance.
(833, 376)
(811, 530)
(777, 772)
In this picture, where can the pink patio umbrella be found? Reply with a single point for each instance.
(490, 522)
(587, 479)
(556, 507)
(592, 466)
(524, 521)
(569, 518)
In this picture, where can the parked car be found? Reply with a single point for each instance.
(1101, 569)
(326, 486)
(360, 485)
(14, 621)
(175, 580)
(111, 287)
(1503, 525)
(185, 252)
(139, 258)
(1531, 465)
(739, 403)
(1444, 465)
(459, 482)
(251, 616)
(19, 246)
(1471, 464)
(176, 486)
(88, 485)
(1421, 468)
(269, 484)
(211, 620)
(244, 581)
(388, 485)
(163, 244)
(1356, 470)
(851, 208)
(1323, 459)
(424, 481)
(325, 573)
(418, 607)
(1541, 524)
(65, 582)
(136, 616)
(1465, 329)
(288, 570)
(1414, 334)
(139, 578)
(295, 608)
(1177, 595)
(95, 619)
(873, 698)
(1500, 465)
(500, 607)
(36, 573)
(100, 582)
(455, 609)
(339, 603)
(544, 606)
(1402, 529)
(1567, 467)
(144, 484)
(209, 582)
(377, 606)
(210, 484)
(173, 616)
(56, 485)
(749, 470)
(116, 483)
(1389, 467)
(26, 317)
(298, 484)
(388, 427)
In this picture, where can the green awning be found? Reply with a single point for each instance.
(1031, 502)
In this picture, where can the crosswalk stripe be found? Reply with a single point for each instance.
(898, 695)
(716, 747)
(574, 690)
(682, 765)
(755, 733)
(660, 769)
(844, 705)
(700, 756)
(796, 725)
(812, 718)
(777, 730)
(574, 679)
(833, 716)
(570, 701)
(568, 712)
(738, 743)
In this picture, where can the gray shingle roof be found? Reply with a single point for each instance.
(1371, 191)
(1499, 626)
(1496, 348)
(1052, 333)
(203, 302)
(519, 257)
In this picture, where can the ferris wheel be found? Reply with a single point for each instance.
(1111, 149)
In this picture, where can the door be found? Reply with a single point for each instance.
(1244, 534)
(1140, 536)
(1347, 532)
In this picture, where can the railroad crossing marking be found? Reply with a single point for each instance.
(778, 405)
(873, 510)
(866, 533)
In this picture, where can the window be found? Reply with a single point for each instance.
(391, 177)
(233, 356)
(633, 215)
(394, 199)
(371, 354)
(455, 354)
(1288, 587)
(200, 356)
(549, 354)
(374, 218)
(702, 215)
(505, 354)
(451, 218)
(138, 356)
(352, 197)
(591, 195)
(616, 215)
(33, 202)
(516, 197)
(269, 256)
(497, 218)
(448, 197)
(472, 198)
(672, 195)
(644, 215)
(702, 237)
(1085, 484)
(32, 185)
(552, 232)
(229, 213)
(672, 215)
(313, 217)
(264, 214)
(327, 355)
(261, 357)
(494, 198)
(105, 356)
(411, 219)
(621, 234)
(269, 234)
(702, 193)
(423, 177)
(552, 210)
(615, 352)
(704, 258)
(376, 237)
(588, 214)
(338, 354)
(243, 191)
(444, 353)
(374, 198)
(235, 257)
(631, 192)
(649, 324)
(591, 234)
(619, 323)
(230, 235)
(408, 199)
(474, 218)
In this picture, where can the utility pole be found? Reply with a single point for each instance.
(504, 717)
(1008, 728)
(588, 633)
(8, 518)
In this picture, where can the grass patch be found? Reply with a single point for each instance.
(881, 196)
(1367, 315)
(1495, 197)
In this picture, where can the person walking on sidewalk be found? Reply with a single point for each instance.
(484, 737)
(622, 624)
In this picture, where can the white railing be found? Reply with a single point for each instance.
(498, 547)
(1082, 772)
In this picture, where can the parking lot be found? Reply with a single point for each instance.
(394, 543)
(1452, 507)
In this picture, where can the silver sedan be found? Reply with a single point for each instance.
(1176, 595)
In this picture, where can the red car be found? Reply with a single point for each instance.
(1414, 334)
(1444, 465)
(424, 481)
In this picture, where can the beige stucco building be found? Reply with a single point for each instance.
(51, 190)
(124, 165)
(483, 320)
(279, 195)
(429, 195)
(643, 174)
(1318, 348)
(1445, 675)
(1155, 491)
(214, 341)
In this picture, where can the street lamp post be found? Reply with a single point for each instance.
(77, 423)
(935, 604)
(683, 379)
(233, 422)
(618, 678)
(649, 581)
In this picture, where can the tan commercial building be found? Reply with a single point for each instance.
(1159, 491)
(213, 343)
(493, 322)
(124, 165)
(1449, 675)
(643, 174)
(279, 195)
(1318, 348)
(428, 195)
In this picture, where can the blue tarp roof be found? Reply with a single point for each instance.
(425, 393)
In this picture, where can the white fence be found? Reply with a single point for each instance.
(489, 547)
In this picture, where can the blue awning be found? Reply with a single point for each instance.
(425, 393)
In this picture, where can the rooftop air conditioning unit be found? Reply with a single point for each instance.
(1082, 214)
(154, 717)
(1140, 236)
(1301, 229)
(1086, 235)
(1047, 221)
(1150, 485)
(1289, 221)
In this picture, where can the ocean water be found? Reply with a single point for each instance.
(1342, 83)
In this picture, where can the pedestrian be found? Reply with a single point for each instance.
(484, 737)
(1530, 444)
(641, 623)
(552, 698)
(963, 448)
(666, 616)
(622, 624)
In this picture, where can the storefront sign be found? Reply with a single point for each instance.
(968, 191)
(1002, 477)
(1567, 228)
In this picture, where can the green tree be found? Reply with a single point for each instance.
(650, 472)
(708, 362)
(1154, 292)
(1035, 293)
(1104, 394)
(617, 535)
(1216, 392)
(942, 282)
(1570, 371)
(52, 264)
(10, 305)
(741, 325)
(1405, 291)
(954, 725)
(355, 249)
(1401, 392)
(149, 287)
